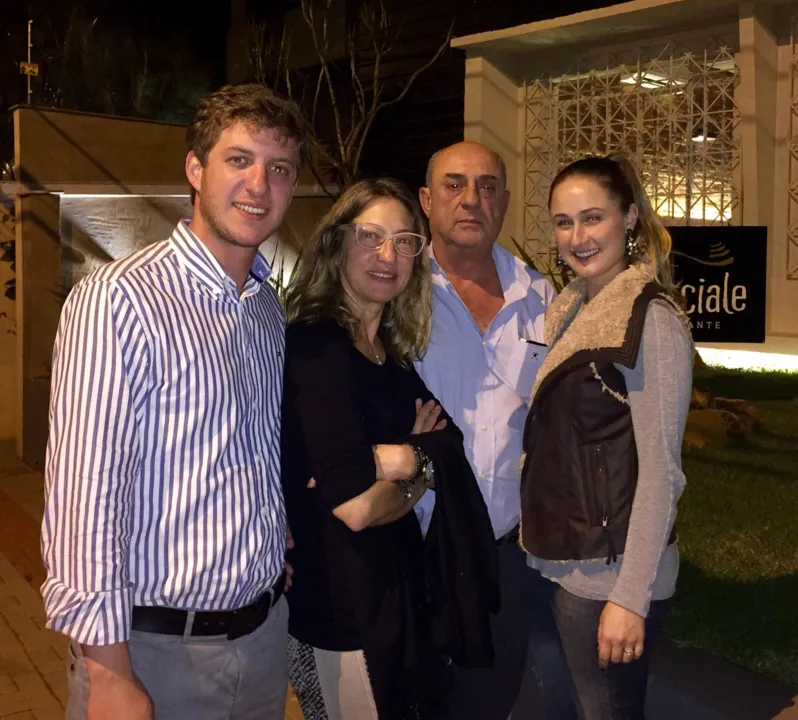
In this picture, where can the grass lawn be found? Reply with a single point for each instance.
(738, 534)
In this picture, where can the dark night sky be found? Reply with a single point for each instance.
(206, 27)
(201, 28)
(204, 24)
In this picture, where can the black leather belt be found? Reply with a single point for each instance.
(510, 537)
(203, 623)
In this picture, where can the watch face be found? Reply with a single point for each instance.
(429, 472)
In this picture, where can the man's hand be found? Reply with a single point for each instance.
(289, 544)
(114, 691)
(115, 697)
(620, 635)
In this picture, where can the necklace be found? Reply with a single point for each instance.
(376, 355)
(370, 349)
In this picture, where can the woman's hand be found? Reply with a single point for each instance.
(393, 462)
(289, 545)
(397, 462)
(427, 415)
(620, 635)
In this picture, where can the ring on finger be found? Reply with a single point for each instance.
(629, 653)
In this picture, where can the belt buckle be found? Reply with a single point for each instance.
(189, 626)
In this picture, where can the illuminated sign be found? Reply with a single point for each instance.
(722, 274)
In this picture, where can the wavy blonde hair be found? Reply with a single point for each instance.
(316, 291)
(617, 175)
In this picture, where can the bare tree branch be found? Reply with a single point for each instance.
(375, 78)
(357, 94)
(384, 25)
(360, 95)
(379, 106)
(284, 58)
(316, 93)
(307, 13)
(426, 66)
(269, 58)
(314, 168)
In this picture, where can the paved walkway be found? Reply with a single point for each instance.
(32, 660)
(686, 684)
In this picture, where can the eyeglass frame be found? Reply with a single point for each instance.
(388, 236)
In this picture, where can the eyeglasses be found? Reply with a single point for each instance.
(373, 237)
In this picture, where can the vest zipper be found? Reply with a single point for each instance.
(605, 525)
(592, 487)
(605, 516)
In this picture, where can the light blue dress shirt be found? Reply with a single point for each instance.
(484, 380)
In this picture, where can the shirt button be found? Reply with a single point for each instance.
(482, 476)
(484, 428)
(484, 383)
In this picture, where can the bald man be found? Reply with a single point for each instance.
(485, 350)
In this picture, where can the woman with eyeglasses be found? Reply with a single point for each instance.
(362, 441)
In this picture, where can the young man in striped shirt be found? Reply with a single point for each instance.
(164, 528)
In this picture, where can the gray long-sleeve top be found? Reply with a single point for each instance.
(659, 388)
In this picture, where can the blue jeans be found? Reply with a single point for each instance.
(529, 676)
(619, 692)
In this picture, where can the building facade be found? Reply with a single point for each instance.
(91, 189)
(702, 96)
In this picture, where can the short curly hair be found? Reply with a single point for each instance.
(250, 103)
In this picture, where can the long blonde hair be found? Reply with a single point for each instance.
(620, 179)
(316, 292)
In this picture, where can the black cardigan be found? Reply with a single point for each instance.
(383, 590)
(460, 558)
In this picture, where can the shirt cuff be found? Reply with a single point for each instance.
(89, 618)
(628, 599)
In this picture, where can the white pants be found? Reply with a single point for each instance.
(330, 685)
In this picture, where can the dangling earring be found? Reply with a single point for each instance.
(559, 262)
(632, 245)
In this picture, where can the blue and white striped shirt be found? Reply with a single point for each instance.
(163, 463)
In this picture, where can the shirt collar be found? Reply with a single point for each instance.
(261, 270)
(195, 258)
(514, 278)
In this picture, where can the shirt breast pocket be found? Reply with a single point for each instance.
(518, 360)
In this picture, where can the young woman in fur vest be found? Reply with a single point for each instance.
(602, 474)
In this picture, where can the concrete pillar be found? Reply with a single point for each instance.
(8, 347)
(494, 117)
(757, 94)
(783, 255)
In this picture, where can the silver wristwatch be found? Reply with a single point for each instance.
(424, 474)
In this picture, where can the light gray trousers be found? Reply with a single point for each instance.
(210, 678)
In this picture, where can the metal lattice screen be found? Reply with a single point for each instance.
(673, 113)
